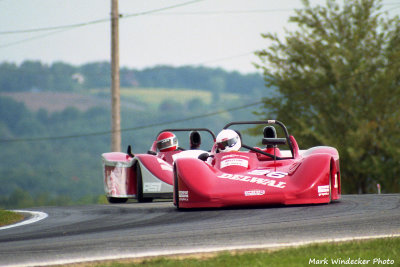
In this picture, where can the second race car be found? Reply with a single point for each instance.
(149, 175)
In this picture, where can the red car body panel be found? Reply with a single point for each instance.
(249, 178)
(118, 178)
(160, 166)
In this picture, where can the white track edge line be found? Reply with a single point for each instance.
(36, 216)
(161, 253)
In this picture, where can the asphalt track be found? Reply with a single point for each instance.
(84, 233)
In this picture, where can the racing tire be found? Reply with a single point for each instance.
(139, 183)
(176, 190)
(330, 184)
(117, 200)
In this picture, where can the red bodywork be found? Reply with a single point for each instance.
(249, 178)
(143, 176)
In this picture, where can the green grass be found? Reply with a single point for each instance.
(363, 253)
(9, 217)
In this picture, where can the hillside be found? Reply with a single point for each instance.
(53, 128)
(55, 158)
(58, 101)
(60, 77)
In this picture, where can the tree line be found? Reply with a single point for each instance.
(59, 76)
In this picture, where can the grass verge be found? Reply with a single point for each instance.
(375, 252)
(9, 217)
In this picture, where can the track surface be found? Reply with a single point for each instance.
(130, 230)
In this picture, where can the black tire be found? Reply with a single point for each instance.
(330, 184)
(176, 190)
(117, 200)
(139, 183)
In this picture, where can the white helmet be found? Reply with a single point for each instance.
(228, 140)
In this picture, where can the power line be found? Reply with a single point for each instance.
(52, 138)
(33, 38)
(228, 12)
(123, 16)
(150, 12)
(158, 9)
(76, 25)
(62, 28)
(225, 58)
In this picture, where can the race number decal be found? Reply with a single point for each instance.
(276, 175)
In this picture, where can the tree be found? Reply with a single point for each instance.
(61, 77)
(338, 83)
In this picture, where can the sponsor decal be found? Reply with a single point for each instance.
(250, 179)
(235, 156)
(255, 192)
(234, 162)
(152, 187)
(183, 195)
(323, 190)
(270, 174)
(164, 166)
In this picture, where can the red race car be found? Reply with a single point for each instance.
(259, 176)
(148, 176)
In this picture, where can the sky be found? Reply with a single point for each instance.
(211, 33)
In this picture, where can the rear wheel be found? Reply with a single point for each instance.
(116, 200)
(139, 183)
(330, 185)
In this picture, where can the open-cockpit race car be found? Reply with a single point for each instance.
(149, 175)
(258, 176)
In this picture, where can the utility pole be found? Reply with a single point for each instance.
(115, 95)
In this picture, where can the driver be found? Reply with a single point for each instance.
(227, 141)
(167, 141)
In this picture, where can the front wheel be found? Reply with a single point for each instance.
(140, 197)
(176, 189)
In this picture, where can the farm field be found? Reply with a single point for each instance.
(155, 96)
(56, 101)
(131, 98)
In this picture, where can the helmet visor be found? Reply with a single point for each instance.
(227, 143)
(167, 143)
